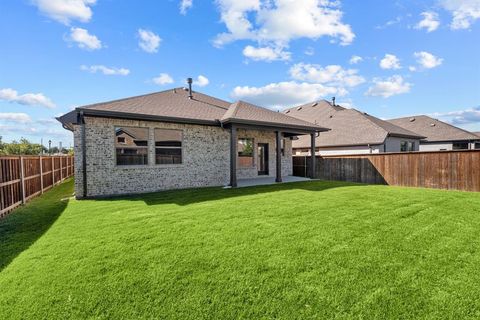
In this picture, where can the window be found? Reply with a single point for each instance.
(245, 152)
(406, 146)
(460, 146)
(411, 146)
(131, 146)
(477, 145)
(168, 146)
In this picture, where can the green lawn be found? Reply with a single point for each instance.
(307, 250)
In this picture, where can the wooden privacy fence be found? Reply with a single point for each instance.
(24, 177)
(456, 170)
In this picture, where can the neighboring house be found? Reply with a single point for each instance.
(439, 135)
(178, 139)
(352, 131)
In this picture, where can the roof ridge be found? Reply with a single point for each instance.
(363, 114)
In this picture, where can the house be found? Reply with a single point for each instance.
(352, 131)
(439, 136)
(178, 139)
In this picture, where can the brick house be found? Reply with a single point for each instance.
(178, 139)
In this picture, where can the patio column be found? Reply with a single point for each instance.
(278, 135)
(312, 156)
(233, 156)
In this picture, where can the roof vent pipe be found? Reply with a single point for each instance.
(333, 101)
(189, 81)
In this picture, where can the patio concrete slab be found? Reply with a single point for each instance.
(267, 180)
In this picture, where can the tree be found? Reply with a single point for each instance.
(22, 147)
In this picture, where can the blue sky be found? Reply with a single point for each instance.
(387, 58)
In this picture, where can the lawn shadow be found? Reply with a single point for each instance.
(21, 228)
(185, 197)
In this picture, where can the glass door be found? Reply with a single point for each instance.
(262, 163)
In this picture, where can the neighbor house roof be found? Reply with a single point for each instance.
(174, 105)
(349, 127)
(433, 129)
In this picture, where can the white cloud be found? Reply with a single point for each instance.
(15, 117)
(355, 59)
(65, 11)
(11, 95)
(266, 53)
(149, 41)
(464, 12)
(471, 115)
(185, 5)
(388, 87)
(412, 68)
(162, 79)
(105, 70)
(333, 75)
(390, 61)
(427, 60)
(201, 81)
(284, 94)
(430, 21)
(84, 40)
(280, 21)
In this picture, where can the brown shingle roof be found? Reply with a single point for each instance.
(433, 129)
(174, 105)
(349, 127)
(244, 112)
(477, 133)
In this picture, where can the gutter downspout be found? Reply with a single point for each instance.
(81, 120)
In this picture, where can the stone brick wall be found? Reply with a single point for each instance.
(206, 159)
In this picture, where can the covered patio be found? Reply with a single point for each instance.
(245, 116)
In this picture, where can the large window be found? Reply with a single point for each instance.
(460, 146)
(168, 146)
(131, 146)
(245, 152)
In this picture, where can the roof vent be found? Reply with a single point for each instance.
(331, 116)
(299, 108)
(314, 104)
(333, 101)
(288, 111)
(189, 81)
(432, 124)
(412, 119)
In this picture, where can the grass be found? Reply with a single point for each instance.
(293, 251)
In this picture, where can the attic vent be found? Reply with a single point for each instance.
(432, 124)
(299, 108)
(412, 119)
(331, 116)
(288, 111)
(314, 104)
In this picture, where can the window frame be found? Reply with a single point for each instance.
(147, 147)
(155, 148)
(457, 143)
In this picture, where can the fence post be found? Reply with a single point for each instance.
(41, 174)
(53, 171)
(22, 179)
(61, 168)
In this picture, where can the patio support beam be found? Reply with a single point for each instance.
(278, 135)
(233, 156)
(312, 156)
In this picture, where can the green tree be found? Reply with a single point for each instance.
(22, 147)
